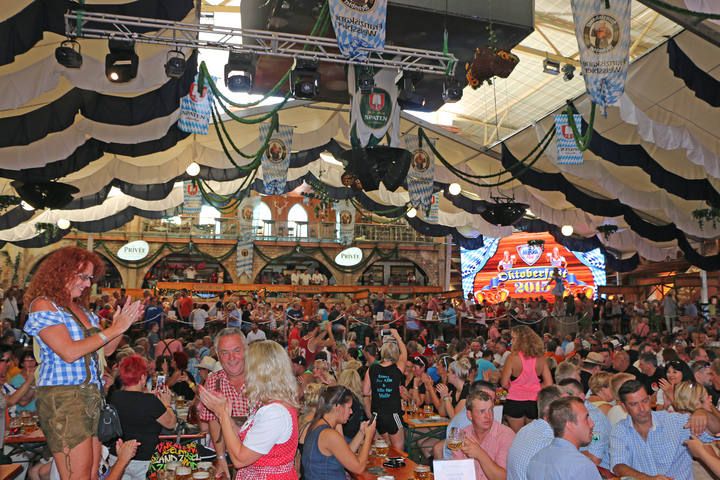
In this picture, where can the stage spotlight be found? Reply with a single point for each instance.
(412, 212)
(454, 189)
(63, 223)
(366, 80)
(568, 72)
(239, 71)
(121, 64)
(567, 230)
(68, 54)
(175, 64)
(193, 169)
(305, 79)
(452, 90)
(408, 98)
(551, 66)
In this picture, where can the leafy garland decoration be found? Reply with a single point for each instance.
(703, 215)
(309, 251)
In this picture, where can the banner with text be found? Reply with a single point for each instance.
(568, 152)
(276, 159)
(192, 198)
(421, 176)
(358, 24)
(195, 110)
(374, 114)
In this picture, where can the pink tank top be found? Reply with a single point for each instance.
(527, 385)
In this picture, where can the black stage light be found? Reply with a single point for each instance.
(239, 71)
(504, 212)
(121, 64)
(452, 90)
(551, 66)
(568, 72)
(305, 79)
(408, 98)
(366, 80)
(175, 64)
(45, 194)
(68, 54)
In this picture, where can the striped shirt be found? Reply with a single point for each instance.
(528, 441)
(54, 370)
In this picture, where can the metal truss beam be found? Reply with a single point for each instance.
(260, 42)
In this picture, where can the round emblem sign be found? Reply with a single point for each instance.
(375, 108)
(601, 33)
(420, 160)
(359, 5)
(276, 150)
(345, 217)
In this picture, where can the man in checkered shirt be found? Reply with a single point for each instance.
(230, 382)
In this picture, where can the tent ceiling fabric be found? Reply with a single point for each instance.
(655, 157)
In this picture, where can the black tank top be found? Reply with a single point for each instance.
(385, 383)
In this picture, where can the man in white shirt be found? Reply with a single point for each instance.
(295, 278)
(318, 278)
(305, 278)
(255, 334)
(190, 272)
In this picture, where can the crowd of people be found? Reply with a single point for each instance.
(303, 388)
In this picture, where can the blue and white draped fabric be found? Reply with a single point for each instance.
(595, 260)
(568, 152)
(246, 212)
(603, 36)
(195, 110)
(345, 212)
(192, 198)
(421, 175)
(244, 261)
(472, 261)
(358, 24)
(276, 159)
(375, 114)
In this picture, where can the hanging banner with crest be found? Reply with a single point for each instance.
(421, 176)
(276, 159)
(244, 262)
(374, 114)
(246, 211)
(433, 215)
(192, 198)
(345, 212)
(358, 24)
(602, 28)
(195, 110)
(568, 152)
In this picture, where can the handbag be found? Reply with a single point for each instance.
(109, 427)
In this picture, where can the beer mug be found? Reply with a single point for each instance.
(204, 466)
(381, 447)
(455, 439)
(183, 473)
(422, 472)
(428, 410)
(201, 475)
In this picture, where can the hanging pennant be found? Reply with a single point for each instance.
(421, 176)
(195, 110)
(244, 262)
(433, 215)
(345, 212)
(276, 159)
(374, 114)
(359, 24)
(246, 211)
(192, 198)
(568, 152)
(602, 28)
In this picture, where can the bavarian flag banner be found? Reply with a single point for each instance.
(602, 28)
(276, 159)
(376, 113)
(345, 212)
(244, 262)
(192, 198)
(358, 24)
(246, 210)
(421, 176)
(568, 152)
(195, 110)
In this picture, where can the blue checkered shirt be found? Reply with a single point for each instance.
(600, 445)
(663, 453)
(53, 369)
(528, 441)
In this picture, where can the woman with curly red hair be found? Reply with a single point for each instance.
(69, 338)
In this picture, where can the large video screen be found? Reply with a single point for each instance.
(521, 265)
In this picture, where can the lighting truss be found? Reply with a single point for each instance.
(262, 42)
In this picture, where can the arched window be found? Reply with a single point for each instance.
(209, 216)
(262, 220)
(297, 221)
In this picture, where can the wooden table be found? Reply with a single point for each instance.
(402, 473)
(419, 429)
(8, 472)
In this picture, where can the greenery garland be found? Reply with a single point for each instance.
(673, 8)
(309, 251)
(189, 248)
(582, 141)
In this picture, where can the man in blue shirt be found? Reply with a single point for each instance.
(651, 444)
(573, 428)
(533, 437)
(448, 318)
(484, 364)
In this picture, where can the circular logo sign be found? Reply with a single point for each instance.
(134, 251)
(244, 252)
(375, 108)
(359, 5)
(349, 257)
(346, 217)
(195, 95)
(601, 33)
(276, 150)
(420, 160)
(247, 213)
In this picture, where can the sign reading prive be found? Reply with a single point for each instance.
(349, 257)
(134, 251)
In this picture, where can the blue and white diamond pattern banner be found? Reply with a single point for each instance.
(603, 36)
(421, 175)
(195, 110)
(192, 198)
(244, 261)
(276, 159)
(345, 212)
(568, 152)
(358, 24)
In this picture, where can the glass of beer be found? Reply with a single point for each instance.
(201, 475)
(183, 473)
(381, 447)
(27, 422)
(455, 439)
(180, 401)
(428, 411)
(422, 472)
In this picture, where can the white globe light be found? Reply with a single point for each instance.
(411, 213)
(567, 230)
(454, 189)
(26, 206)
(193, 169)
(63, 223)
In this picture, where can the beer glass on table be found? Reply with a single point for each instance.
(381, 447)
(455, 439)
(422, 472)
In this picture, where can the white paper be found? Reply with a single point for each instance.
(379, 316)
(454, 469)
(429, 316)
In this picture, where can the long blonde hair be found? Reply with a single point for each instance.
(527, 342)
(269, 374)
(689, 396)
(350, 378)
